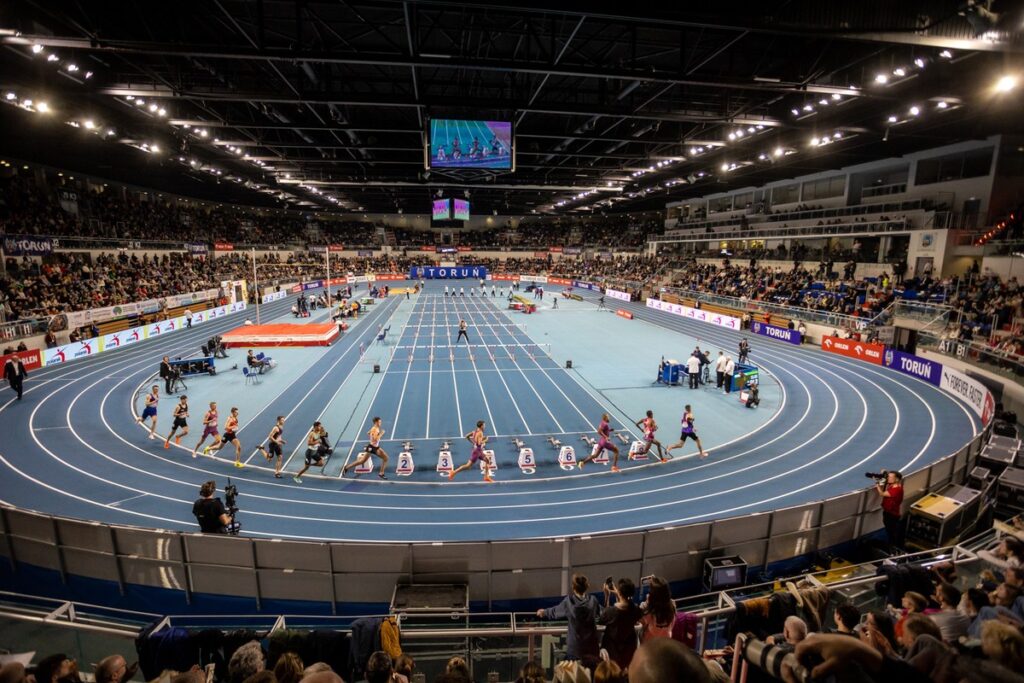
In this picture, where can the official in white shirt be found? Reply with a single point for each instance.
(720, 369)
(693, 369)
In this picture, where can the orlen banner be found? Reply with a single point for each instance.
(872, 353)
(915, 366)
(775, 332)
(973, 392)
(703, 316)
(30, 359)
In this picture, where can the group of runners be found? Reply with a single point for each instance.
(317, 446)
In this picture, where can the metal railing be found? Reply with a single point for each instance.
(811, 214)
(975, 353)
(772, 232)
(838, 321)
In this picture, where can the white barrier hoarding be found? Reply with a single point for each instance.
(726, 321)
(973, 392)
(616, 294)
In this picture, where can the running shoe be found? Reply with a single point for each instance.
(206, 450)
(238, 464)
(615, 469)
(153, 436)
(167, 444)
(451, 475)
(277, 475)
(579, 463)
(296, 480)
(382, 475)
(177, 441)
(663, 460)
(487, 478)
(194, 454)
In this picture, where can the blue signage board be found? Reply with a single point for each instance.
(447, 272)
(915, 366)
(775, 332)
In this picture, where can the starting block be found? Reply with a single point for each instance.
(555, 443)
(488, 463)
(366, 467)
(527, 463)
(444, 463)
(637, 452)
(405, 466)
(567, 458)
(600, 459)
(518, 443)
(408, 445)
(622, 437)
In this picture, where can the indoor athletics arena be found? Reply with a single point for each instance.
(462, 342)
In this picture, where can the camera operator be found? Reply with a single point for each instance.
(889, 486)
(210, 512)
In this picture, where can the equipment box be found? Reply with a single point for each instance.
(1010, 492)
(938, 518)
(724, 572)
(997, 457)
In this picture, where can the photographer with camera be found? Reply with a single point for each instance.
(619, 619)
(889, 486)
(210, 512)
(318, 446)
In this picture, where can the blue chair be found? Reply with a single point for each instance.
(250, 376)
(383, 333)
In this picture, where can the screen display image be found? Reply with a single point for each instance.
(457, 143)
(442, 210)
(461, 210)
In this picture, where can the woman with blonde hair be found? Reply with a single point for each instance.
(1003, 644)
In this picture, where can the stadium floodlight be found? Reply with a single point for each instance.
(52, 58)
(836, 96)
(942, 104)
(892, 119)
(43, 108)
(919, 63)
(1006, 83)
(881, 79)
(37, 48)
(89, 124)
(901, 72)
(946, 54)
(915, 110)
(808, 107)
(72, 68)
(10, 97)
(779, 151)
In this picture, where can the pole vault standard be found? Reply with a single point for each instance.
(256, 286)
(327, 282)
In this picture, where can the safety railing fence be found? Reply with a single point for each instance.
(810, 214)
(839, 321)
(20, 329)
(978, 354)
(776, 232)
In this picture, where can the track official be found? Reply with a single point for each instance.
(15, 374)
(166, 373)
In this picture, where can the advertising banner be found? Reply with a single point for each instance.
(465, 249)
(555, 250)
(116, 340)
(505, 278)
(315, 284)
(62, 354)
(426, 248)
(973, 392)
(335, 247)
(446, 250)
(31, 359)
(533, 278)
(775, 332)
(365, 253)
(872, 353)
(27, 245)
(586, 285)
(164, 327)
(295, 289)
(573, 251)
(726, 321)
(273, 296)
(915, 366)
(447, 273)
(616, 294)
(223, 246)
(390, 277)
(560, 281)
(540, 254)
(196, 247)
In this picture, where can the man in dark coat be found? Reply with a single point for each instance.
(15, 374)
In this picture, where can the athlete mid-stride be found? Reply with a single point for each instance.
(479, 440)
(687, 432)
(209, 428)
(372, 448)
(649, 426)
(149, 412)
(230, 436)
(604, 442)
(275, 445)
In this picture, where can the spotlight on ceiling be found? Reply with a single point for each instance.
(881, 79)
(1006, 83)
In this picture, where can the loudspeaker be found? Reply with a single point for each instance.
(376, 367)
(568, 365)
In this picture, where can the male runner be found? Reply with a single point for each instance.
(687, 433)
(180, 421)
(604, 442)
(152, 398)
(372, 448)
(209, 428)
(275, 440)
(313, 453)
(478, 439)
(650, 426)
(230, 429)
(462, 332)
(446, 290)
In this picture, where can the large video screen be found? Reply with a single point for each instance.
(460, 212)
(442, 209)
(456, 143)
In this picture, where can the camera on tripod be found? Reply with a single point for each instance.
(231, 508)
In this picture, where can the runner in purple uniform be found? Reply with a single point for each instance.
(477, 438)
(604, 442)
(687, 433)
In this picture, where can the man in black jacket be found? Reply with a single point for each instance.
(15, 374)
(166, 374)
